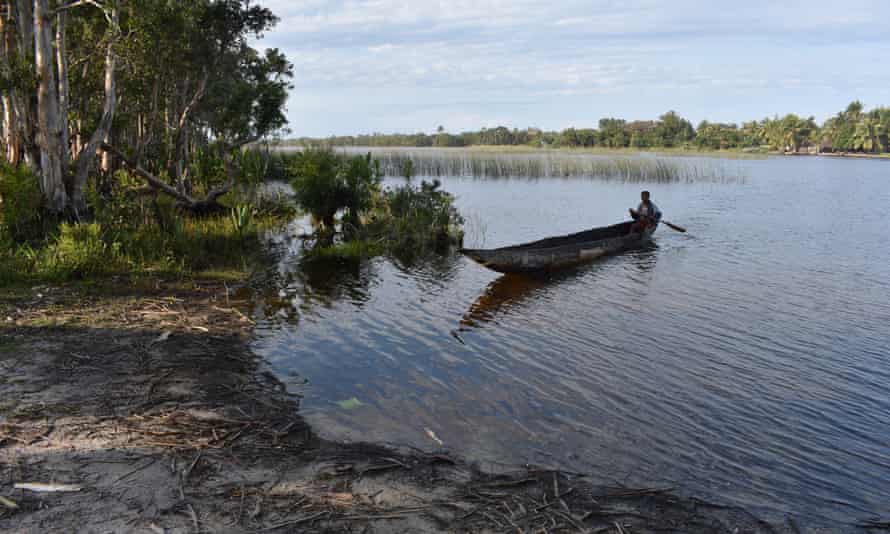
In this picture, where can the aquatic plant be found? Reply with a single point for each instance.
(327, 182)
(549, 164)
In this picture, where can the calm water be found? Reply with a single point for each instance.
(747, 361)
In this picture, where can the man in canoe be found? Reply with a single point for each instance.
(647, 214)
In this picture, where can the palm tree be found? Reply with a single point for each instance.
(867, 136)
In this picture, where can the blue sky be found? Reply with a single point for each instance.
(404, 66)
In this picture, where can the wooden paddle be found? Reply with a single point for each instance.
(674, 226)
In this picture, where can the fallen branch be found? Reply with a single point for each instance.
(201, 206)
(294, 522)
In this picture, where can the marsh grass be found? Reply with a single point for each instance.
(129, 235)
(525, 163)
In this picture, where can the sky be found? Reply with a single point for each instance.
(364, 66)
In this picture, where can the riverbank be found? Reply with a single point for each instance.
(732, 153)
(143, 410)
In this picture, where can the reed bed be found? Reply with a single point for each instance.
(551, 164)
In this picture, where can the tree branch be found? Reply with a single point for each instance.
(206, 205)
(79, 3)
(231, 147)
(147, 176)
(199, 94)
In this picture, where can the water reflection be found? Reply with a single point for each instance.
(503, 294)
(746, 365)
(509, 292)
(297, 284)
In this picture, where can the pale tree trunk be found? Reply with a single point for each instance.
(23, 42)
(7, 126)
(11, 126)
(86, 158)
(181, 139)
(62, 62)
(49, 135)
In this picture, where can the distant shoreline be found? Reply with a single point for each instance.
(854, 155)
(735, 153)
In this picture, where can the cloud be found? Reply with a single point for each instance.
(535, 51)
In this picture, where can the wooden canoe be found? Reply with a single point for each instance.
(560, 252)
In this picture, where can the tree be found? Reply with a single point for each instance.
(612, 133)
(868, 135)
(186, 71)
(673, 130)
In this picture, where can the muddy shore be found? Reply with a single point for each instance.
(145, 411)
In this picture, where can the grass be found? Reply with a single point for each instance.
(518, 162)
(729, 153)
(129, 238)
(212, 247)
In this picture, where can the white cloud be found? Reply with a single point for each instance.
(540, 51)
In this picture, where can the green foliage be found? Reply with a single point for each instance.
(408, 169)
(403, 221)
(134, 235)
(80, 251)
(853, 129)
(417, 218)
(21, 215)
(326, 183)
(242, 219)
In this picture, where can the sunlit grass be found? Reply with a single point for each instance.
(515, 162)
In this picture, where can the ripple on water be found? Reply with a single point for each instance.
(744, 361)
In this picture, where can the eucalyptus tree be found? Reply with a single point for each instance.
(184, 69)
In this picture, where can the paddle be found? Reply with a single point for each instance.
(673, 226)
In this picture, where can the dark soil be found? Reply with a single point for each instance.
(151, 408)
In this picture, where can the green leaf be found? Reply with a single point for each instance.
(349, 404)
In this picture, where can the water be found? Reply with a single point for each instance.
(745, 362)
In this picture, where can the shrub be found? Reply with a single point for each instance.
(80, 251)
(21, 205)
(418, 217)
(326, 183)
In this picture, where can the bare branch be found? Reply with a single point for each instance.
(199, 94)
(205, 205)
(78, 3)
(230, 147)
(147, 176)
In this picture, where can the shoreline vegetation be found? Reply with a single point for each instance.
(854, 130)
(130, 224)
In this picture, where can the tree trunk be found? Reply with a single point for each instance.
(49, 133)
(11, 126)
(22, 103)
(62, 62)
(8, 125)
(86, 158)
(178, 169)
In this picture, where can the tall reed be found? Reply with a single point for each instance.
(550, 164)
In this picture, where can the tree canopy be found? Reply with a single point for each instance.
(159, 80)
(852, 130)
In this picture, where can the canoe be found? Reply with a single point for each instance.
(560, 252)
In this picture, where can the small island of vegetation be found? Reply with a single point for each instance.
(132, 216)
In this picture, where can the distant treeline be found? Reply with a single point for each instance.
(852, 130)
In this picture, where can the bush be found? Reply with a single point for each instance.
(326, 183)
(21, 205)
(80, 250)
(418, 217)
(409, 221)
